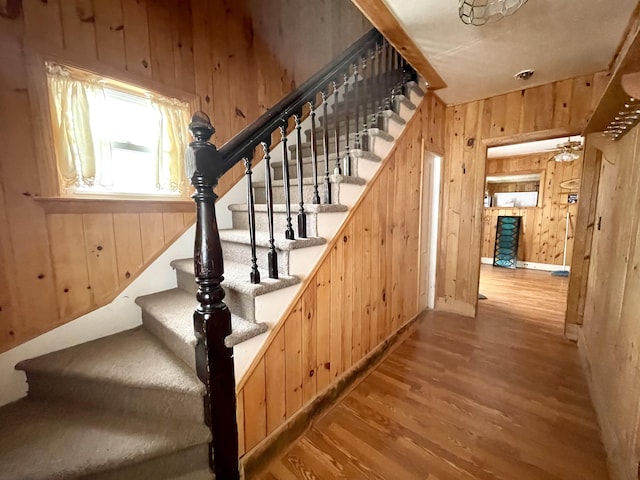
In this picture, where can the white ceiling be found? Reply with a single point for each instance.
(557, 38)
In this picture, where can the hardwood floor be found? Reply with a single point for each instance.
(499, 397)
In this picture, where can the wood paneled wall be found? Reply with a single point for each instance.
(610, 337)
(547, 111)
(285, 24)
(55, 266)
(543, 228)
(363, 290)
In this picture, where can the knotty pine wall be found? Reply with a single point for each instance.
(363, 290)
(58, 261)
(543, 228)
(548, 111)
(610, 337)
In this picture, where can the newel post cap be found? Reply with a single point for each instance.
(202, 157)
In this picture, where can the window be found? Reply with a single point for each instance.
(512, 190)
(113, 139)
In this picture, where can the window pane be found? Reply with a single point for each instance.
(131, 119)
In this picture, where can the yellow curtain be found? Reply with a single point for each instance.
(172, 143)
(77, 148)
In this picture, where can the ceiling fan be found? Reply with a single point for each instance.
(567, 151)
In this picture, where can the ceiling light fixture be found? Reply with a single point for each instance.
(480, 12)
(568, 151)
(524, 74)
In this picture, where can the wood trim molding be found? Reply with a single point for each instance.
(382, 18)
(113, 205)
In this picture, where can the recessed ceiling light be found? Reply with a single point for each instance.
(524, 75)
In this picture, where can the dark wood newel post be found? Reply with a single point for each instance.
(212, 319)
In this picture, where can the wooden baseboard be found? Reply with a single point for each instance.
(275, 445)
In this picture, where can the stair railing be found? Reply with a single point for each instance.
(365, 79)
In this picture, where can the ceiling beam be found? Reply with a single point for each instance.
(382, 18)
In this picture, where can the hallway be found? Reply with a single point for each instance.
(499, 397)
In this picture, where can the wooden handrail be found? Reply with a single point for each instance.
(243, 144)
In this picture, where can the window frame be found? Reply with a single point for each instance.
(50, 188)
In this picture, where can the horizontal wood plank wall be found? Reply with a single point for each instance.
(543, 228)
(56, 266)
(363, 290)
(547, 111)
(610, 336)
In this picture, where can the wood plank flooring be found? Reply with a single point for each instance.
(499, 397)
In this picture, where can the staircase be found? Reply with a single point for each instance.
(130, 405)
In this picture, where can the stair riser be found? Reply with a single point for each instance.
(306, 148)
(260, 195)
(165, 467)
(241, 253)
(184, 351)
(239, 303)
(114, 397)
(382, 124)
(307, 168)
(239, 220)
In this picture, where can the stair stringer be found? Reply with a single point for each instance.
(272, 308)
(262, 343)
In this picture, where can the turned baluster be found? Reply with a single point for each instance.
(336, 128)
(272, 255)
(346, 165)
(314, 153)
(302, 216)
(366, 79)
(288, 233)
(254, 276)
(325, 148)
(356, 87)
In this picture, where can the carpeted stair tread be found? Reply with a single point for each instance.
(390, 114)
(309, 181)
(281, 208)
(232, 235)
(307, 160)
(372, 132)
(174, 310)
(133, 358)
(236, 277)
(401, 99)
(199, 475)
(50, 441)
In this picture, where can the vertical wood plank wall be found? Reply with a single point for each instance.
(543, 227)
(51, 269)
(610, 337)
(547, 111)
(364, 289)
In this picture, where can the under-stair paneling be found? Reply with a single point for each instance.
(610, 337)
(552, 110)
(64, 262)
(364, 288)
(543, 227)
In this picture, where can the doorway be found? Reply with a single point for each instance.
(533, 186)
(429, 216)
